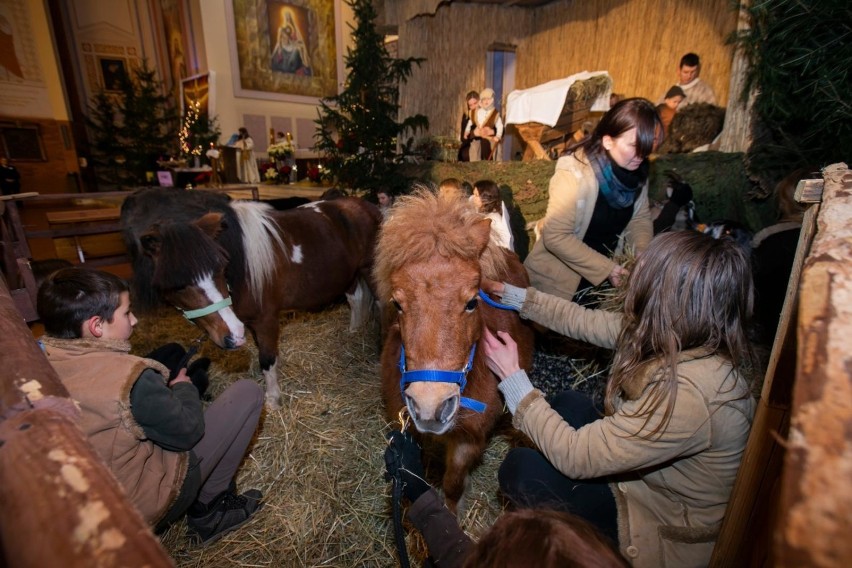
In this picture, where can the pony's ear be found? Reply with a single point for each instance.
(151, 243)
(481, 233)
(210, 223)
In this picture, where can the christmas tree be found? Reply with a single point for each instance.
(197, 132)
(358, 130)
(131, 128)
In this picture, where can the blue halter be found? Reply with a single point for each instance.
(437, 376)
(458, 377)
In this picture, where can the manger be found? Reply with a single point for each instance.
(545, 115)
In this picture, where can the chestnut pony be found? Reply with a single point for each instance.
(432, 253)
(235, 265)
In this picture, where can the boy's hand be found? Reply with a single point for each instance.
(181, 377)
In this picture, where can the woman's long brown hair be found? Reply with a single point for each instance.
(687, 291)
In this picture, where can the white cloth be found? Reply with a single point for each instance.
(501, 230)
(543, 103)
(246, 162)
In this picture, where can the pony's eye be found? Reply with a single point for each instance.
(471, 305)
(396, 305)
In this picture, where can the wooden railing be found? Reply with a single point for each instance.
(791, 503)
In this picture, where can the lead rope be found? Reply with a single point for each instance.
(398, 533)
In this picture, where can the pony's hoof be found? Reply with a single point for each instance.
(273, 403)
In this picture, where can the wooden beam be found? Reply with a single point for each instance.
(815, 523)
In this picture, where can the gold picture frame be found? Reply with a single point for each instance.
(285, 49)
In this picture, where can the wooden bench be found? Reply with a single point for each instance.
(86, 233)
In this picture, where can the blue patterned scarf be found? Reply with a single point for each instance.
(618, 187)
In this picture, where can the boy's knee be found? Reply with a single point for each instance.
(248, 392)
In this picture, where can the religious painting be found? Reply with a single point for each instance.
(23, 91)
(285, 49)
(172, 12)
(198, 89)
(113, 72)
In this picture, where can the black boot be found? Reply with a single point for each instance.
(226, 512)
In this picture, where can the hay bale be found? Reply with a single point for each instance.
(693, 126)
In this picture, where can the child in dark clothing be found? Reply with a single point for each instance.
(170, 456)
(527, 537)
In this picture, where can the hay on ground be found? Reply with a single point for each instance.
(319, 460)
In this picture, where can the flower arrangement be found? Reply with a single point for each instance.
(284, 173)
(282, 150)
(271, 175)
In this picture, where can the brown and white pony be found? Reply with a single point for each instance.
(235, 265)
(432, 254)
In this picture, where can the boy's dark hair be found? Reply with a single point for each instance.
(471, 95)
(70, 296)
(545, 538)
(690, 60)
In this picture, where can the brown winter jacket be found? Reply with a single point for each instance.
(100, 375)
(559, 259)
(671, 489)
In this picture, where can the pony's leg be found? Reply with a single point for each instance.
(266, 335)
(462, 455)
(360, 300)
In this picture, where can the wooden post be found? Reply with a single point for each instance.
(61, 506)
(746, 533)
(815, 523)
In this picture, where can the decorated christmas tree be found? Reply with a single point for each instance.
(197, 132)
(358, 130)
(131, 128)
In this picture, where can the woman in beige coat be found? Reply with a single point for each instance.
(598, 201)
(655, 470)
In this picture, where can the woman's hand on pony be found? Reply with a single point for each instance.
(492, 288)
(501, 353)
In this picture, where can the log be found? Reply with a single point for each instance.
(61, 506)
(816, 497)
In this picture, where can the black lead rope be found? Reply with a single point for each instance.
(399, 535)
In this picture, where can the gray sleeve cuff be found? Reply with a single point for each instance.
(513, 296)
(514, 388)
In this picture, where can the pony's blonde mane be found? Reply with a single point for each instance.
(424, 224)
(261, 241)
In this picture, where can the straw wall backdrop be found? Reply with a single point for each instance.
(639, 42)
(454, 43)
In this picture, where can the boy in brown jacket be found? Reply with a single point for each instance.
(149, 429)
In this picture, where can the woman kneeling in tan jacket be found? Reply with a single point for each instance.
(655, 470)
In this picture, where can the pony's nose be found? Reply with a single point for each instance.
(447, 409)
(232, 342)
(443, 412)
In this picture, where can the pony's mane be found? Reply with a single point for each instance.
(175, 268)
(261, 240)
(424, 224)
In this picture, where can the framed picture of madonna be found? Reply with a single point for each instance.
(284, 49)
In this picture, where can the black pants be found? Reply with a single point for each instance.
(528, 480)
